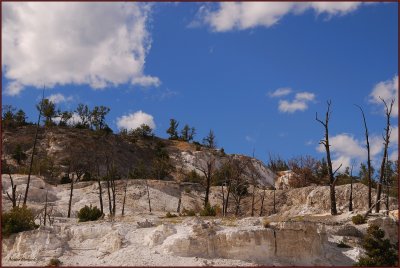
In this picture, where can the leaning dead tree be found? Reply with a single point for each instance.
(208, 170)
(325, 142)
(386, 139)
(369, 159)
(33, 150)
(13, 196)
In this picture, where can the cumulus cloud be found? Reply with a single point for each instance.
(300, 103)
(59, 98)
(387, 90)
(244, 15)
(75, 119)
(345, 148)
(280, 92)
(135, 120)
(98, 44)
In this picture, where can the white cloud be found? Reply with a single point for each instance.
(345, 149)
(14, 88)
(291, 107)
(305, 96)
(280, 92)
(300, 103)
(58, 98)
(239, 16)
(135, 120)
(387, 90)
(99, 44)
(73, 121)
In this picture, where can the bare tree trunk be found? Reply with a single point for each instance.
(252, 200)
(325, 142)
(123, 202)
(13, 197)
(369, 159)
(45, 209)
(386, 139)
(227, 199)
(351, 190)
(70, 196)
(100, 188)
(274, 201)
(113, 194)
(208, 186)
(223, 200)
(262, 203)
(33, 151)
(148, 196)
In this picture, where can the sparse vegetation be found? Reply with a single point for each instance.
(170, 215)
(54, 262)
(358, 219)
(379, 251)
(208, 211)
(18, 219)
(189, 212)
(89, 213)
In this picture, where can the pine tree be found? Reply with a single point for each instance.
(379, 251)
(173, 129)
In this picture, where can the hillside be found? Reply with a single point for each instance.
(58, 145)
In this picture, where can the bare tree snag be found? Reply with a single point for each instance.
(148, 195)
(262, 201)
(70, 196)
(45, 208)
(208, 170)
(369, 159)
(351, 189)
(123, 202)
(386, 139)
(33, 151)
(13, 197)
(325, 142)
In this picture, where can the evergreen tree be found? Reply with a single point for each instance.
(64, 118)
(209, 141)
(48, 111)
(173, 129)
(18, 154)
(84, 115)
(20, 118)
(185, 133)
(379, 251)
(98, 117)
(8, 115)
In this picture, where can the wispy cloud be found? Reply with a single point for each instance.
(280, 92)
(230, 16)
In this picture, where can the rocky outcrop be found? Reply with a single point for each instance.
(288, 243)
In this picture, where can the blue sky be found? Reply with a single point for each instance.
(214, 66)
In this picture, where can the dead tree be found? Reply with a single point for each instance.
(45, 209)
(33, 151)
(369, 159)
(386, 138)
(148, 196)
(99, 184)
(208, 170)
(238, 183)
(13, 197)
(262, 201)
(325, 142)
(351, 189)
(123, 202)
(70, 196)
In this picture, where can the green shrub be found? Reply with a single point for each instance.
(54, 262)
(65, 180)
(189, 212)
(341, 244)
(208, 211)
(89, 213)
(169, 215)
(378, 251)
(358, 219)
(18, 219)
